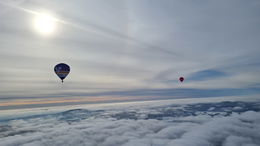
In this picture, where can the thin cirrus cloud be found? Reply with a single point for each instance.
(130, 45)
(76, 98)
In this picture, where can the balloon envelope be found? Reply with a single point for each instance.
(62, 70)
(181, 79)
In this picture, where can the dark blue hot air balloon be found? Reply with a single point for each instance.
(62, 70)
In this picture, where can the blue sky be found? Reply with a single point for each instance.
(122, 47)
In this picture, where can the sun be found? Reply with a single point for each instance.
(45, 24)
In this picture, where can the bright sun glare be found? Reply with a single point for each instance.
(45, 24)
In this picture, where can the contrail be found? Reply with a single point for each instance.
(98, 30)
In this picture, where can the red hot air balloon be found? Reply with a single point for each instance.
(62, 70)
(181, 79)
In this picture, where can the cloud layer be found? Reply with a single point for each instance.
(201, 124)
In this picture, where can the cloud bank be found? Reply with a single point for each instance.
(201, 124)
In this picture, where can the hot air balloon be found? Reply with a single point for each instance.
(62, 70)
(181, 79)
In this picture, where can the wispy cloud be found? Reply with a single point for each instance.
(129, 45)
(76, 98)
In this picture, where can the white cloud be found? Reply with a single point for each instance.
(126, 44)
(173, 125)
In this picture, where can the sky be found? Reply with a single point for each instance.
(128, 50)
